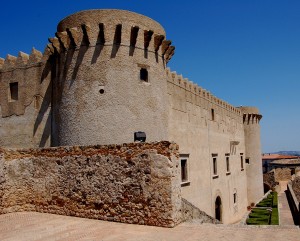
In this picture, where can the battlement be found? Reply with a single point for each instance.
(23, 60)
(109, 28)
(250, 115)
(193, 88)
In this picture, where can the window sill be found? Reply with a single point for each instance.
(215, 176)
(185, 183)
(228, 173)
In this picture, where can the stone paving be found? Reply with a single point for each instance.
(31, 226)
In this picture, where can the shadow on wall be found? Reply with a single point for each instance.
(45, 105)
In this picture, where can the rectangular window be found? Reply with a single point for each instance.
(212, 114)
(247, 160)
(14, 91)
(215, 166)
(242, 162)
(234, 198)
(184, 173)
(184, 169)
(227, 164)
(144, 74)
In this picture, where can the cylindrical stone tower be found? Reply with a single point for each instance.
(110, 78)
(251, 119)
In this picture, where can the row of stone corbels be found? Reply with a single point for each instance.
(131, 36)
(23, 60)
(251, 118)
(198, 91)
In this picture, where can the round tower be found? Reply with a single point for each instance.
(251, 119)
(110, 79)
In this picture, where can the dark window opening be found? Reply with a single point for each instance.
(184, 173)
(218, 209)
(293, 171)
(247, 160)
(215, 165)
(227, 164)
(212, 114)
(14, 91)
(242, 163)
(144, 74)
(234, 198)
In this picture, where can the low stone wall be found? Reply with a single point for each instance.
(293, 203)
(131, 183)
(192, 213)
(269, 179)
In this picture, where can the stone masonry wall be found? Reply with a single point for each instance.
(131, 183)
(282, 174)
(193, 214)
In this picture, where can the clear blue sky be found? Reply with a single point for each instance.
(246, 52)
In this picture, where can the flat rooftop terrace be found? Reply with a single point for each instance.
(41, 226)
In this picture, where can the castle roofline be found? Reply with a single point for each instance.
(96, 16)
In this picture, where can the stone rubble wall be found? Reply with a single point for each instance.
(269, 179)
(131, 183)
(295, 184)
(191, 213)
(293, 196)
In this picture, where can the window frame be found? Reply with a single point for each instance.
(184, 158)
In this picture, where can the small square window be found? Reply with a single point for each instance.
(13, 91)
(247, 160)
(144, 74)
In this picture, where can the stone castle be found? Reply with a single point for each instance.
(101, 79)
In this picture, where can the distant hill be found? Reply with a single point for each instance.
(290, 153)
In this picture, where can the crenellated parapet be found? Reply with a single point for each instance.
(23, 60)
(199, 92)
(251, 115)
(111, 28)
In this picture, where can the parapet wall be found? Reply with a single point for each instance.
(200, 96)
(131, 183)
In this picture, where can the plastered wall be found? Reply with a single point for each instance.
(203, 137)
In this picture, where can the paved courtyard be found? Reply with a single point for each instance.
(40, 226)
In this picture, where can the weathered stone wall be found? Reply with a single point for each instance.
(131, 183)
(282, 174)
(99, 96)
(251, 120)
(269, 179)
(293, 196)
(206, 127)
(194, 214)
(25, 119)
